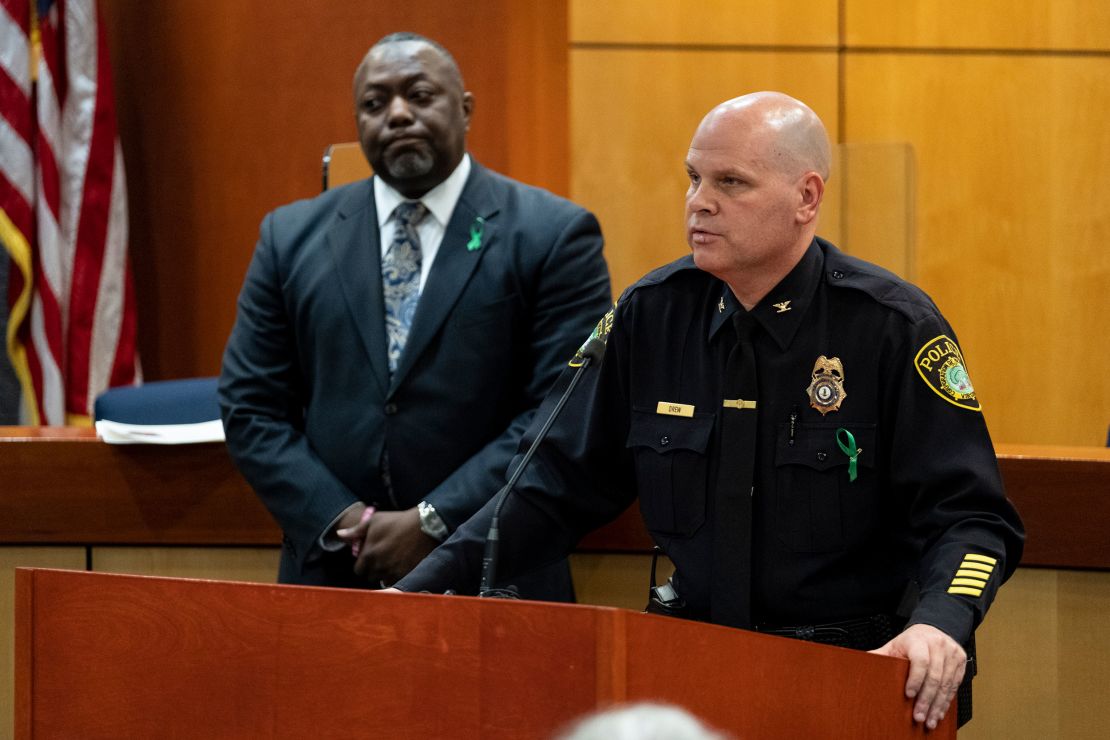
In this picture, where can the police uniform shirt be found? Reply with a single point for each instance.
(925, 503)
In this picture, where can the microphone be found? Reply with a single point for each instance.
(592, 350)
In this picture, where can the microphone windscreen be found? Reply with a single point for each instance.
(594, 349)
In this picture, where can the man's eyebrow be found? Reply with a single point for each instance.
(415, 77)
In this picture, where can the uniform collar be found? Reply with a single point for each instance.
(781, 311)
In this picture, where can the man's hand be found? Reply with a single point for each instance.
(352, 526)
(392, 543)
(937, 664)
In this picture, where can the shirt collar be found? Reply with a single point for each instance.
(440, 200)
(781, 311)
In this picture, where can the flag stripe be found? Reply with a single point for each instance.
(109, 295)
(92, 226)
(15, 52)
(16, 161)
(17, 13)
(16, 208)
(50, 383)
(126, 369)
(15, 107)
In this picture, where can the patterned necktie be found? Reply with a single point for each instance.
(401, 278)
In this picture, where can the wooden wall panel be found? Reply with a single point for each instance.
(632, 115)
(1083, 605)
(999, 24)
(873, 185)
(254, 564)
(1011, 238)
(225, 113)
(727, 22)
(615, 579)
(72, 558)
(1044, 666)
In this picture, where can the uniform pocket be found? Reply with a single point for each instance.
(672, 469)
(812, 484)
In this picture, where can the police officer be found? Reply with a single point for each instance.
(799, 426)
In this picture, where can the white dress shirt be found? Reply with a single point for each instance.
(440, 202)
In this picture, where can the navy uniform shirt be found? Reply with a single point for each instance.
(926, 505)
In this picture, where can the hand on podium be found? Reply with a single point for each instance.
(937, 664)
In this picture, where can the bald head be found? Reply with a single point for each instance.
(757, 166)
(794, 138)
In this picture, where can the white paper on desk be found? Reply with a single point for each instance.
(115, 433)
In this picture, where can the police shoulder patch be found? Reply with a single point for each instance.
(941, 365)
(601, 331)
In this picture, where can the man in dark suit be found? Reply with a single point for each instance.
(395, 336)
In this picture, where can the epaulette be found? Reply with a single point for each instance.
(845, 271)
(660, 275)
(655, 277)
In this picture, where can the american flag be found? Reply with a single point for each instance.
(63, 211)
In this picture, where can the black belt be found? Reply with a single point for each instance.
(866, 633)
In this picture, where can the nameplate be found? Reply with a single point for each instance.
(674, 409)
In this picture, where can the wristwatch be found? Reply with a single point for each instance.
(430, 523)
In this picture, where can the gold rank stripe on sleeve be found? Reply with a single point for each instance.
(965, 591)
(973, 583)
(972, 575)
(988, 569)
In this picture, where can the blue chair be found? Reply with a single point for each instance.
(188, 401)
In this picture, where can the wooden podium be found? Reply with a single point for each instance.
(107, 656)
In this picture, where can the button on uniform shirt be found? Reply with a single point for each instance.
(926, 504)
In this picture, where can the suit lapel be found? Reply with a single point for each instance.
(455, 263)
(355, 248)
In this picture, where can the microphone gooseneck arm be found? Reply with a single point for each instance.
(592, 350)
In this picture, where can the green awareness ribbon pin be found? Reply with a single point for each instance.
(476, 230)
(848, 447)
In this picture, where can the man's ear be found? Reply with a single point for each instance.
(468, 107)
(812, 191)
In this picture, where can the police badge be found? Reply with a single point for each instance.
(826, 390)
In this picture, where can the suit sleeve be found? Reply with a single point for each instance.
(262, 407)
(580, 478)
(969, 533)
(568, 292)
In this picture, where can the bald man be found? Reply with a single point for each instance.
(798, 425)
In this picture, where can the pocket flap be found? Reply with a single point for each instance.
(664, 433)
(815, 445)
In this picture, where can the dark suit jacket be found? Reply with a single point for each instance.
(305, 393)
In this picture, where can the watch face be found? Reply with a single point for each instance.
(430, 522)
